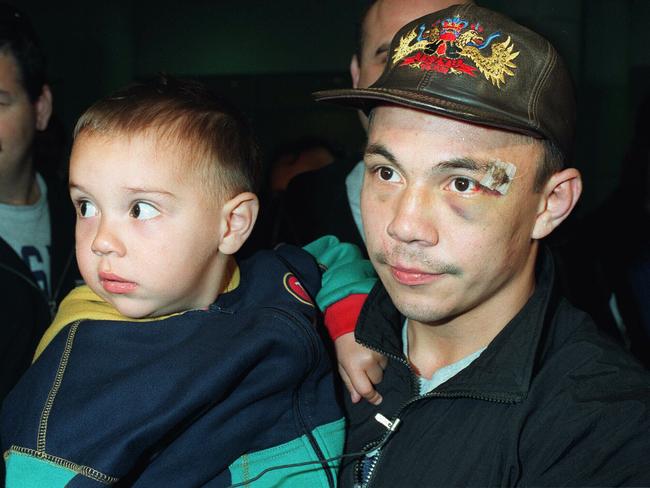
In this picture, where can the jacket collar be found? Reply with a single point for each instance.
(505, 369)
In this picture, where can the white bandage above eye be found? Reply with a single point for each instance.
(499, 176)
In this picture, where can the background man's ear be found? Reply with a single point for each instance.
(354, 71)
(43, 106)
(237, 220)
(560, 195)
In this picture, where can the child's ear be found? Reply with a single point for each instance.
(559, 196)
(237, 220)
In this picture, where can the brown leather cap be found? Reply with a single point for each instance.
(474, 64)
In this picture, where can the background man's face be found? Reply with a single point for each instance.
(381, 23)
(17, 117)
(443, 244)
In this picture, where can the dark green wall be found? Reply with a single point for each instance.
(269, 55)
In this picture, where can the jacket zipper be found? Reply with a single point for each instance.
(395, 419)
(51, 302)
(55, 292)
(31, 282)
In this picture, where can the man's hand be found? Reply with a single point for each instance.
(360, 368)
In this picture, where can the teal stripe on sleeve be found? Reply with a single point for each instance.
(24, 470)
(330, 438)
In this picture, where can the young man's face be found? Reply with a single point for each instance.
(147, 233)
(443, 245)
(17, 118)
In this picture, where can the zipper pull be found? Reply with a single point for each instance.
(392, 426)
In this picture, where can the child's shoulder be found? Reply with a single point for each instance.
(283, 277)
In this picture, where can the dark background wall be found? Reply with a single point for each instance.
(268, 56)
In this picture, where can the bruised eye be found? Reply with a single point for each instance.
(87, 209)
(387, 174)
(143, 211)
(464, 185)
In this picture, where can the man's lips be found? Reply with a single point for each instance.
(412, 276)
(113, 283)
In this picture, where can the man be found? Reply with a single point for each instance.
(492, 379)
(37, 266)
(326, 201)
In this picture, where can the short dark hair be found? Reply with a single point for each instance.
(217, 140)
(552, 161)
(359, 27)
(17, 37)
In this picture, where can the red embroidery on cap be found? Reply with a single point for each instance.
(450, 45)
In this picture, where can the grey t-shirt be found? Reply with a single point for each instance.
(440, 375)
(26, 228)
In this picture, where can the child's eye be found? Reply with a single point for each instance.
(87, 209)
(387, 174)
(143, 211)
(464, 185)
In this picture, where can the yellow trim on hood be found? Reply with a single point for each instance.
(83, 303)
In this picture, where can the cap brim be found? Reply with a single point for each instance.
(368, 98)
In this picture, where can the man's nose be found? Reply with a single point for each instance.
(413, 220)
(107, 240)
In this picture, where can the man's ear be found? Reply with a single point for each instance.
(354, 71)
(237, 220)
(560, 195)
(43, 106)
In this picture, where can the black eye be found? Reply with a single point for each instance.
(135, 211)
(83, 208)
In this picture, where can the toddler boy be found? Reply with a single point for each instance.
(175, 365)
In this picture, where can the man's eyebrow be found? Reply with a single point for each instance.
(380, 150)
(468, 164)
(382, 48)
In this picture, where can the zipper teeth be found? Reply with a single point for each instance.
(64, 272)
(63, 363)
(431, 394)
(83, 470)
(50, 301)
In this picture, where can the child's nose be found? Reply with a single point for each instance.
(107, 241)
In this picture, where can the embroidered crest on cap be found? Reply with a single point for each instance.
(294, 287)
(448, 43)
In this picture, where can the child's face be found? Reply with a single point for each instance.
(147, 237)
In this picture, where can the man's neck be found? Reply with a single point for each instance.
(19, 187)
(433, 346)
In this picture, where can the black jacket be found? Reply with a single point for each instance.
(316, 204)
(550, 402)
(25, 308)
